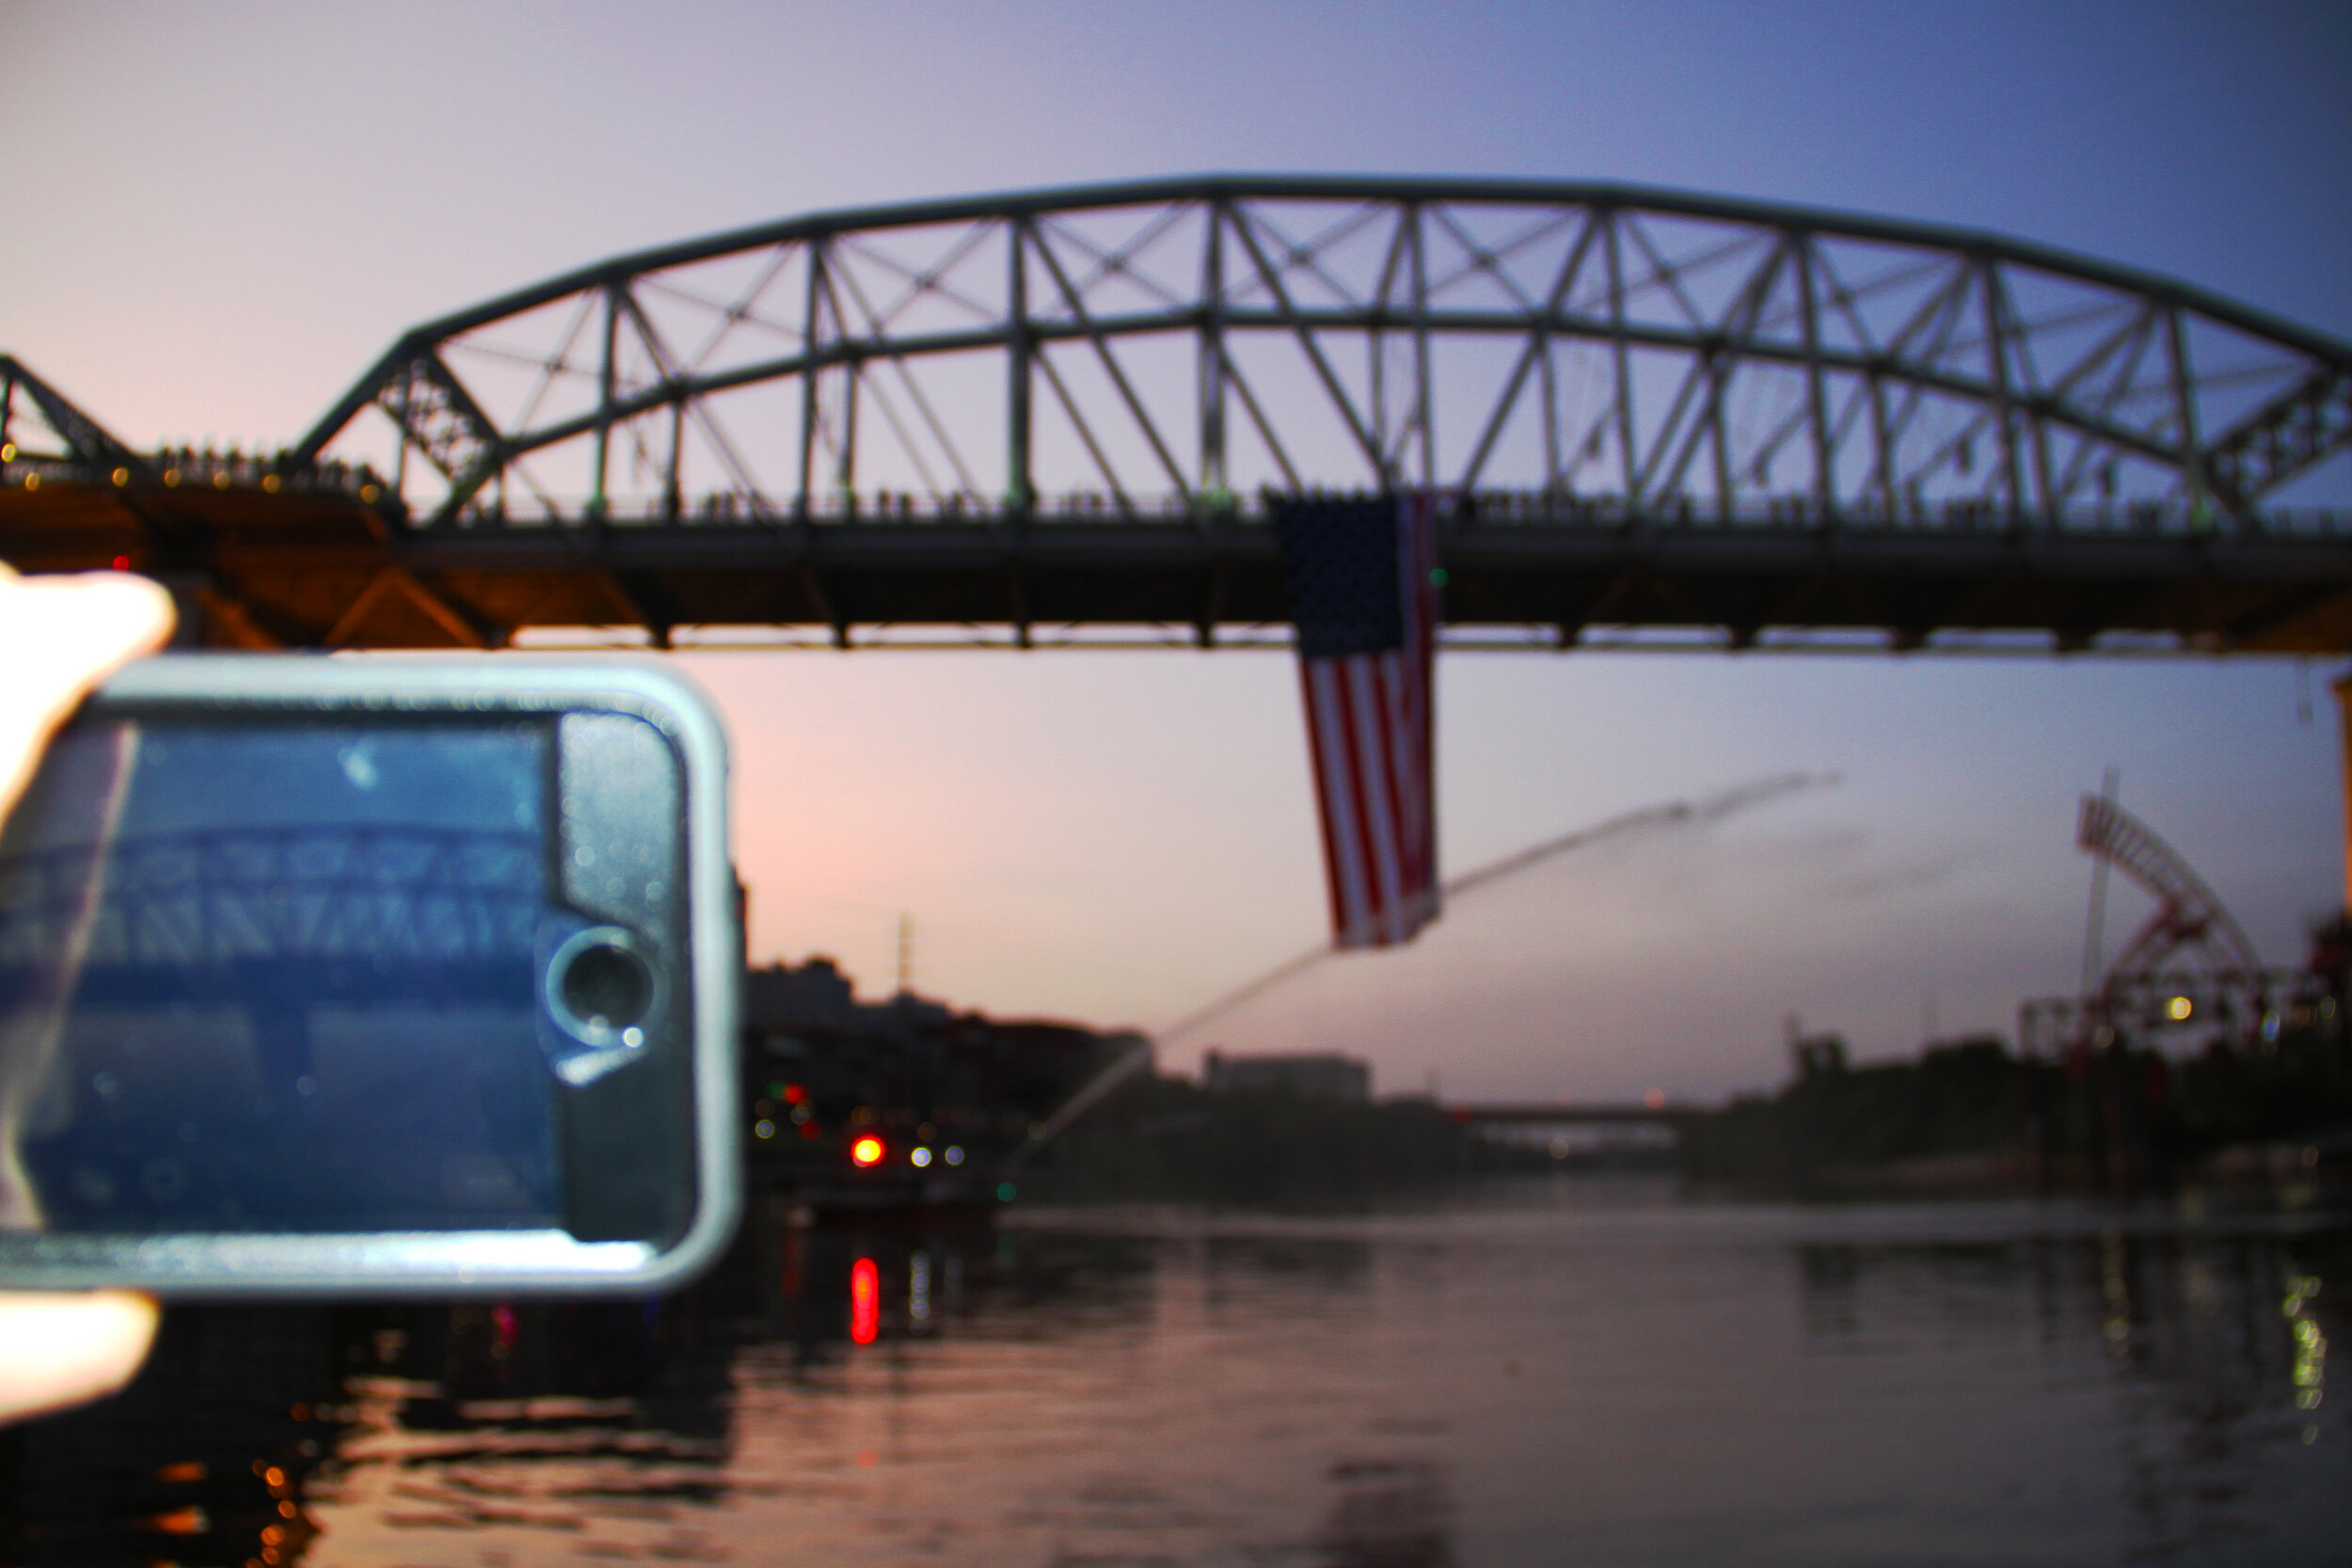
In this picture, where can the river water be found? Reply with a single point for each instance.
(1587, 1371)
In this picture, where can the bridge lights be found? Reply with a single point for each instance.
(866, 1151)
(2179, 1009)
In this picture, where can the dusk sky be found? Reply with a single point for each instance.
(217, 217)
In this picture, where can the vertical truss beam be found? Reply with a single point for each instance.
(1621, 353)
(606, 389)
(1391, 441)
(1997, 337)
(2192, 446)
(1209, 352)
(1020, 353)
(1424, 420)
(1815, 395)
(812, 337)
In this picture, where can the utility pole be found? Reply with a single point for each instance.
(906, 954)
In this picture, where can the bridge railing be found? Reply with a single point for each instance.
(181, 467)
(185, 469)
(1498, 509)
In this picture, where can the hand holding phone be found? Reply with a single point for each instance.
(364, 977)
(59, 637)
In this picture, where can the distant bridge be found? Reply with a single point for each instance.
(1051, 418)
(1578, 1114)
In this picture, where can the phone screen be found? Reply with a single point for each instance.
(261, 977)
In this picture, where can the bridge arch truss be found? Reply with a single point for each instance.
(1173, 349)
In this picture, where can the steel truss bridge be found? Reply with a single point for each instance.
(1056, 417)
(311, 916)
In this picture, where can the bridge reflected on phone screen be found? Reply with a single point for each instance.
(281, 979)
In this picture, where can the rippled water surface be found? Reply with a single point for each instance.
(1582, 1372)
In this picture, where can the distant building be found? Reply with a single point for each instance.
(906, 1063)
(1317, 1077)
(815, 995)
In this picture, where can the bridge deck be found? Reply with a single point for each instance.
(321, 567)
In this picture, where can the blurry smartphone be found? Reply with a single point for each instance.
(367, 977)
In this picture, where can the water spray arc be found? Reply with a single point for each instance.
(1668, 815)
(1671, 814)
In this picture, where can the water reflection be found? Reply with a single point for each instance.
(207, 1456)
(1387, 1513)
(2207, 1393)
(1529, 1380)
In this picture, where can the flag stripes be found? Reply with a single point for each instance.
(1365, 604)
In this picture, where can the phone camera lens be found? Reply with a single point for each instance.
(608, 988)
(600, 988)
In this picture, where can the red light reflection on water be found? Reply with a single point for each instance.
(865, 1302)
(505, 1328)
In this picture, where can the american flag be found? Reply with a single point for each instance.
(1363, 592)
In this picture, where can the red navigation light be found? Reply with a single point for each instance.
(866, 1151)
(865, 1297)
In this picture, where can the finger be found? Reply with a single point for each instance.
(62, 1349)
(59, 637)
